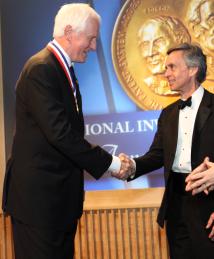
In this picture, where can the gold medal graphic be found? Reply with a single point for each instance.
(143, 33)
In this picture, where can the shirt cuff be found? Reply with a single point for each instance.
(115, 165)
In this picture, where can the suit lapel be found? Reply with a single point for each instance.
(79, 103)
(203, 114)
(173, 132)
(66, 83)
(68, 95)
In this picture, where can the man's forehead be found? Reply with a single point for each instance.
(154, 32)
(92, 26)
(175, 55)
(174, 58)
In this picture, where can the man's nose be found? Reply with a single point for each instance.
(93, 45)
(151, 49)
(166, 73)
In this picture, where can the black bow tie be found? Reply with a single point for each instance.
(182, 104)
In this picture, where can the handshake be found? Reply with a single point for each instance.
(127, 168)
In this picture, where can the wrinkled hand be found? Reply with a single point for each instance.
(210, 224)
(202, 178)
(127, 167)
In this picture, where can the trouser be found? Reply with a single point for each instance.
(41, 243)
(187, 217)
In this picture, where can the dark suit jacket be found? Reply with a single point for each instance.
(44, 180)
(163, 148)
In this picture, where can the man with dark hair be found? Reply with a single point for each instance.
(183, 139)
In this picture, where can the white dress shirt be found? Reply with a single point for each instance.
(182, 161)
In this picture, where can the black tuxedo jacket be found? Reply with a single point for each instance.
(44, 179)
(163, 148)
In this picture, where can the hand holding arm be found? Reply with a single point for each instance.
(202, 178)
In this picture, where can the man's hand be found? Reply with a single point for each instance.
(202, 178)
(127, 167)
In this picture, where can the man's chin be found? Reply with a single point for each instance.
(172, 87)
(82, 60)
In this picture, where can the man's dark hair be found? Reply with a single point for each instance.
(194, 57)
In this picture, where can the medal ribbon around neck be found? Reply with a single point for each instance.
(64, 64)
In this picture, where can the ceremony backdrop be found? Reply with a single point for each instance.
(122, 83)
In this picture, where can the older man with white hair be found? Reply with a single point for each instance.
(44, 184)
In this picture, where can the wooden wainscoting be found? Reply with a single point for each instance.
(6, 241)
(119, 224)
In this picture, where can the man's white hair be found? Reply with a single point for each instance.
(75, 15)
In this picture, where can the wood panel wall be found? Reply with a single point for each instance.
(115, 225)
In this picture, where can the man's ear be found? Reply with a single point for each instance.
(193, 71)
(67, 30)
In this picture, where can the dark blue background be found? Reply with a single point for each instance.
(26, 28)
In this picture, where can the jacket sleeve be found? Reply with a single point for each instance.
(41, 94)
(153, 159)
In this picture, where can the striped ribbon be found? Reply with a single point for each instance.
(64, 64)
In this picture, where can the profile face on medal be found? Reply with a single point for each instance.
(143, 33)
(156, 36)
(200, 17)
(154, 41)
